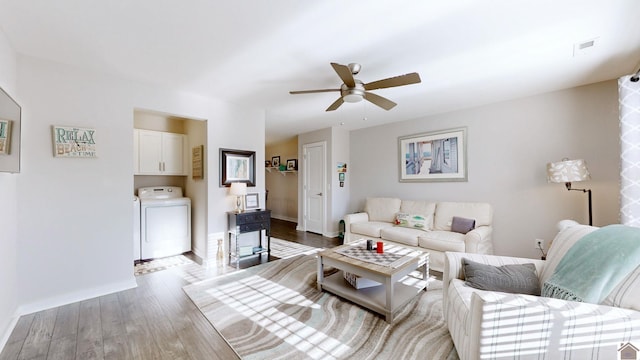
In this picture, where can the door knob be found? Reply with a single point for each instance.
(319, 194)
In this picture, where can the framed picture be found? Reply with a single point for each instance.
(433, 156)
(5, 137)
(252, 201)
(292, 164)
(74, 142)
(197, 162)
(237, 166)
(341, 177)
(275, 161)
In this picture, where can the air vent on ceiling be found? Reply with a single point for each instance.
(585, 47)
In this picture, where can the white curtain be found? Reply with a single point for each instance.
(629, 98)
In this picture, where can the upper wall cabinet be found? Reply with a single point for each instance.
(159, 153)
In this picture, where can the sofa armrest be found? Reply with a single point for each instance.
(350, 219)
(453, 266)
(517, 326)
(478, 240)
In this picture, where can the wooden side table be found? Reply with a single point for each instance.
(247, 222)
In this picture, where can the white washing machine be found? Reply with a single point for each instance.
(165, 222)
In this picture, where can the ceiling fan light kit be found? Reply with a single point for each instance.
(353, 90)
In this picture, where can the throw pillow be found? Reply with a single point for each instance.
(462, 225)
(512, 278)
(411, 221)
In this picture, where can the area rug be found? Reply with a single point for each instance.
(154, 265)
(284, 249)
(274, 311)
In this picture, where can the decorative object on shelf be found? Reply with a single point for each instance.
(275, 161)
(568, 171)
(292, 164)
(238, 189)
(5, 137)
(237, 166)
(75, 142)
(267, 163)
(197, 162)
(252, 201)
(433, 156)
(282, 167)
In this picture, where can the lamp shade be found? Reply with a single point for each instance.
(566, 171)
(238, 189)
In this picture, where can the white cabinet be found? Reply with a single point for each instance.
(159, 153)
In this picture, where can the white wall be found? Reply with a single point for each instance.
(509, 145)
(74, 215)
(8, 210)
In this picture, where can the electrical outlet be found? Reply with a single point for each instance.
(539, 244)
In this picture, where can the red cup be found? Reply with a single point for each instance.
(380, 247)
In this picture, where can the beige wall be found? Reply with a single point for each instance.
(283, 187)
(509, 145)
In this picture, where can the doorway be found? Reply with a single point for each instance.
(314, 186)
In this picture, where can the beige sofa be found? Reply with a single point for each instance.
(432, 234)
(498, 325)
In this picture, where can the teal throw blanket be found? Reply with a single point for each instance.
(595, 264)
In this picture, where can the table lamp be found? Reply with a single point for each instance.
(239, 190)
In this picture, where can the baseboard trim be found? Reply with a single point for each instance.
(72, 297)
(9, 330)
(285, 218)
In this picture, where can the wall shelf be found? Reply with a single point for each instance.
(283, 172)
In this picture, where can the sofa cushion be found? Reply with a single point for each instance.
(401, 235)
(382, 209)
(370, 228)
(511, 278)
(413, 221)
(424, 208)
(462, 225)
(442, 241)
(445, 211)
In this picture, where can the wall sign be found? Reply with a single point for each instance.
(197, 163)
(74, 142)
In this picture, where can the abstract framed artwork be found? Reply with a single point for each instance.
(433, 156)
(237, 166)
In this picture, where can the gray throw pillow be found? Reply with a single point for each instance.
(514, 278)
(462, 225)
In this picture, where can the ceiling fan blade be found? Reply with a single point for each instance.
(379, 100)
(336, 104)
(406, 79)
(312, 91)
(345, 74)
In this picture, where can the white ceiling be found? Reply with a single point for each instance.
(252, 52)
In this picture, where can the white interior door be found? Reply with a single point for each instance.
(314, 186)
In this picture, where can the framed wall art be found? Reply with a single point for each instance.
(275, 161)
(74, 142)
(197, 164)
(433, 156)
(5, 137)
(237, 166)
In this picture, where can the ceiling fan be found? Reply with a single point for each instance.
(354, 90)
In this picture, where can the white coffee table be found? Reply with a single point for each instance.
(385, 299)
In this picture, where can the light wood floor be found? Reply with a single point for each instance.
(156, 320)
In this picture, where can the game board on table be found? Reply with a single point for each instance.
(393, 256)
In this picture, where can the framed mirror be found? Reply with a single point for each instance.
(10, 121)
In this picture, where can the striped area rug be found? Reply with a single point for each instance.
(274, 311)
